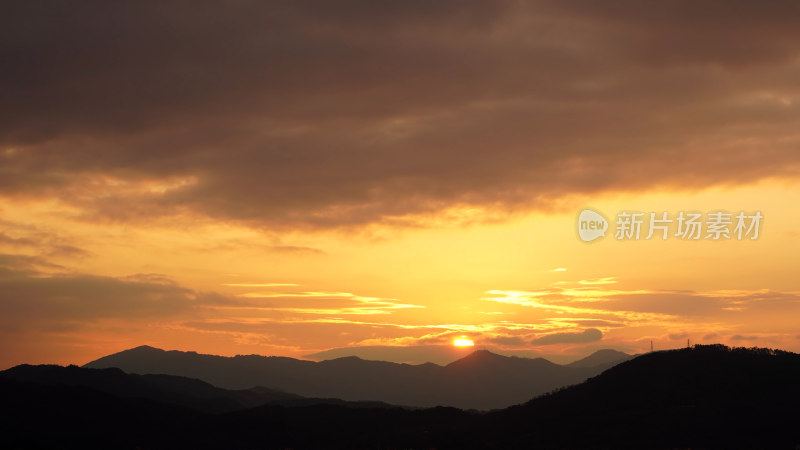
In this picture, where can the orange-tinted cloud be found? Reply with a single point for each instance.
(587, 335)
(302, 114)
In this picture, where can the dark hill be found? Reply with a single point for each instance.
(704, 397)
(606, 357)
(168, 389)
(481, 380)
(182, 391)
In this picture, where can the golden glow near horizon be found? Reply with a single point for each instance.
(463, 342)
(372, 204)
(524, 286)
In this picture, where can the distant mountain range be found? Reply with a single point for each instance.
(481, 380)
(169, 389)
(701, 397)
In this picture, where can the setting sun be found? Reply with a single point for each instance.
(463, 342)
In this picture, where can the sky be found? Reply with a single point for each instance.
(317, 179)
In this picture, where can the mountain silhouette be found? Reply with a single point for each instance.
(168, 389)
(703, 397)
(481, 380)
(708, 396)
(606, 357)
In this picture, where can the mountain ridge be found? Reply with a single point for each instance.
(174, 390)
(702, 397)
(480, 380)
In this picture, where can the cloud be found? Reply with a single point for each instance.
(302, 115)
(44, 300)
(354, 334)
(47, 244)
(596, 323)
(17, 265)
(739, 337)
(22, 242)
(729, 315)
(321, 303)
(594, 281)
(36, 295)
(653, 306)
(295, 249)
(588, 335)
(581, 304)
(511, 341)
(692, 33)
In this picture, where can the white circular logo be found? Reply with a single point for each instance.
(591, 225)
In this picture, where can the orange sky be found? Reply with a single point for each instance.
(291, 178)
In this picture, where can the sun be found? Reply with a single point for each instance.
(463, 342)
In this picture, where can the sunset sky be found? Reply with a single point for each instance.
(290, 178)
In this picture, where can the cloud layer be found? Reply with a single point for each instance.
(588, 335)
(306, 114)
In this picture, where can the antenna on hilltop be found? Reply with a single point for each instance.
(651, 346)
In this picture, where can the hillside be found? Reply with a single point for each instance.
(166, 389)
(481, 380)
(704, 397)
(708, 396)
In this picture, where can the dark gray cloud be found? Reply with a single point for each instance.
(587, 335)
(730, 33)
(46, 300)
(315, 114)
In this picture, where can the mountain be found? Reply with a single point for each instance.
(42, 416)
(606, 357)
(481, 380)
(60, 416)
(173, 390)
(415, 354)
(708, 396)
(181, 391)
(702, 397)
